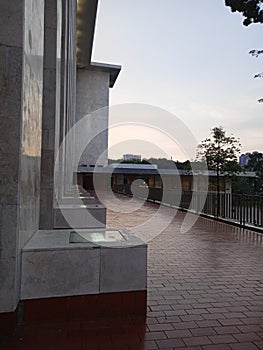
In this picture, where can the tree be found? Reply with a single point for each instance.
(243, 185)
(251, 9)
(220, 153)
(255, 163)
(257, 53)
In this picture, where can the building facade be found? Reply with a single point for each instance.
(48, 85)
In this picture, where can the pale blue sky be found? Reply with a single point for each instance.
(187, 57)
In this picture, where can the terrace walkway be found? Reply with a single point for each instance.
(205, 291)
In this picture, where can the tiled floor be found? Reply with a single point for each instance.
(205, 291)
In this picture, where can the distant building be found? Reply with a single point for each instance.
(120, 176)
(244, 158)
(130, 157)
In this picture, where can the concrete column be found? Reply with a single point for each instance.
(21, 78)
(68, 94)
(51, 109)
(58, 104)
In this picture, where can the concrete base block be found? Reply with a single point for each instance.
(53, 267)
(123, 269)
(80, 216)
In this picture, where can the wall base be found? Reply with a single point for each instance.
(8, 322)
(84, 308)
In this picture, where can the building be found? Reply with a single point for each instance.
(244, 158)
(119, 176)
(131, 157)
(48, 85)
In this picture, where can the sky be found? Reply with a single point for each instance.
(189, 58)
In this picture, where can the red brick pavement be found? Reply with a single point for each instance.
(204, 293)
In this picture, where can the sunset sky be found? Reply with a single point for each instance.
(189, 58)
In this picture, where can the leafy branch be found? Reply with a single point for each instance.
(257, 53)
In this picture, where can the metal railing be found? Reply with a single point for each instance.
(246, 210)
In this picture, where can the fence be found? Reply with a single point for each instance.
(245, 210)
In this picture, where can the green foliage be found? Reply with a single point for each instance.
(220, 151)
(255, 163)
(250, 9)
(257, 53)
(243, 185)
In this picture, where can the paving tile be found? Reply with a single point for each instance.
(203, 331)
(231, 321)
(189, 348)
(249, 320)
(170, 343)
(193, 341)
(234, 315)
(187, 318)
(213, 316)
(197, 311)
(161, 307)
(152, 320)
(226, 330)
(179, 333)
(160, 327)
(168, 319)
(150, 345)
(247, 337)
(222, 339)
(216, 347)
(155, 335)
(178, 312)
(238, 308)
(244, 346)
(218, 310)
(201, 305)
(221, 304)
(208, 323)
(259, 344)
(250, 328)
(185, 325)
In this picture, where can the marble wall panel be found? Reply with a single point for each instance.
(63, 272)
(92, 95)
(8, 231)
(46, 213)
(11, 63)
(31, 119)
(10, 111)
(123, 269)
(8, 299)
(11, 24)
(11, 79)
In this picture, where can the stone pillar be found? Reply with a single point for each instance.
(58, 104)
(21, 78)
(68, 95)
(51, 109)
